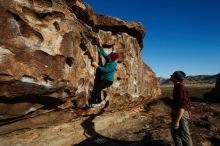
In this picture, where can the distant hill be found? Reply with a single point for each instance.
(192, 79)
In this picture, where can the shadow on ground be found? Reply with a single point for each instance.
(110, 142)
(96, 139)
(208, 98)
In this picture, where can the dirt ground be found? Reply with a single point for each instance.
(151, 125)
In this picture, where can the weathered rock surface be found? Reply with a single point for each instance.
(46, 50)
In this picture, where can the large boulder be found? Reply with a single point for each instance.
(214, 95)
(46, 50)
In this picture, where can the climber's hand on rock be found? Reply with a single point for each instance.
(100, 41)
(95, 64)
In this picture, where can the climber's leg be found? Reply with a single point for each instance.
(96, 93)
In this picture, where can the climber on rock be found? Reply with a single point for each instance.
(106, 74)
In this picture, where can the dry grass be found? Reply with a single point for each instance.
(195, 90)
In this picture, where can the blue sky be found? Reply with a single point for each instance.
(181, 34)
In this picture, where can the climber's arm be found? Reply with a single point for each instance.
(102, 51)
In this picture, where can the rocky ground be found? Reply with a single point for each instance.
(151, 127)
(146, 126)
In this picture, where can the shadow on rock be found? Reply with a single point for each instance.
(47, 101)
(21, 106)
(214, 95)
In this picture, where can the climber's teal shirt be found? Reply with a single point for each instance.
(108, 69)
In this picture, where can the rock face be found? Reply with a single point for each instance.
(214, 95)
(46, 50)
(217, 85)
